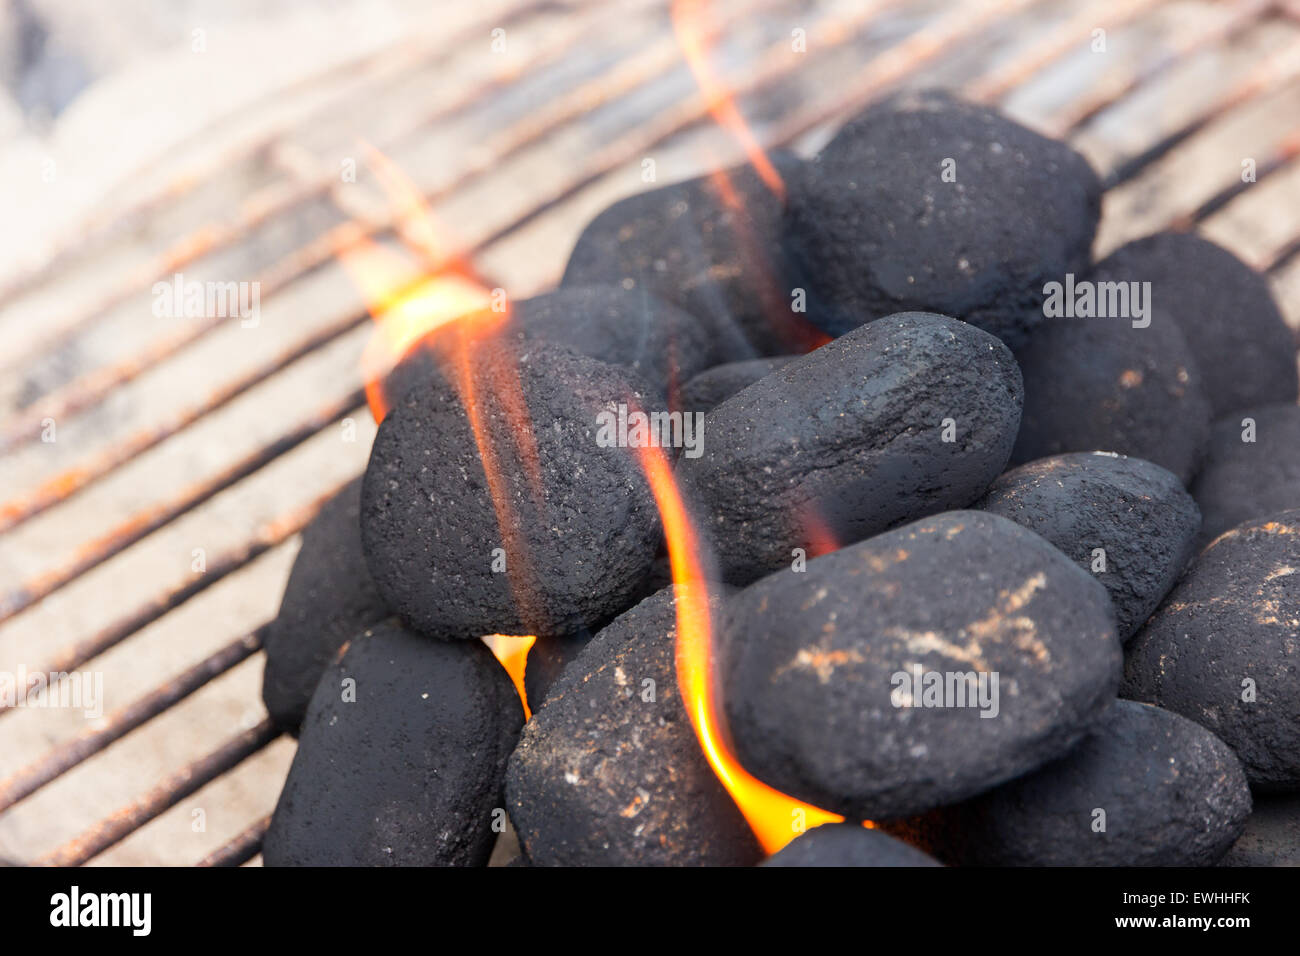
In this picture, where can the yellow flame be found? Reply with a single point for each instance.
(775, 818)
(692, 33)
(512, 652)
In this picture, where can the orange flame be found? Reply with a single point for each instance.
(692, 33)
(775, 818)
(445, 296)
(512, 652)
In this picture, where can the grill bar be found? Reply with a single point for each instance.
(118, 724)
(164, 796)
(242, 848)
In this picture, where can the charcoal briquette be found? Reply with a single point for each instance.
(904, 417)
(547, 659)
(847, 844)
(328, 600)
(1126, 521)
(1272, 835)
(1252, 468)
(710, 246)
(579, 528)
(924, 202)
(918, 667)
(1145, 787)
(1246, 353)
(712, 387)
(1104, 384)
(401, 757)
(609, 771)
(1221, 649)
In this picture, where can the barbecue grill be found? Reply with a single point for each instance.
(156, 473)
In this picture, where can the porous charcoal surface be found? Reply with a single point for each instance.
(876, 229)
(1272, 835)
(604, 776)
(1099, 384)
(580, 530)
(547, 659)
(1241, 480)
(709, 245)
(1225, 311)
(817, 665)
(1144, 788)
(714, 386)
(850, 439)
(847, 844)
(1222, 648)
(410, 771)
(329, 599)
(1137, 512)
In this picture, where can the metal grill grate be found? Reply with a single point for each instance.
(204, 437)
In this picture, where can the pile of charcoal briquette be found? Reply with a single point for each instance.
(1019, 588)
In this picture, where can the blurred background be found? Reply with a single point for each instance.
(156, 468)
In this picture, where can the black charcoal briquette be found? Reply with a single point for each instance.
(1222, 648)
(904, 417)
(1226, 313)
(1126, 521)
(328, 600)
(925, 202)
(710, 246)
(1252, 468)
(1106, 384)
(579, 527)
(714, 386)
(917, 668)
(401, 757)
(1272, 835)
(1144, 788)
(609, 771)
(847, 844)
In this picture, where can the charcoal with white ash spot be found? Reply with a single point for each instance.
(609, 771)
(1221, 649)
(901, 418)
(1125, 520)
(918, 667)
(401, 757)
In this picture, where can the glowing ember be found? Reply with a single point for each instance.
(512, 652)
(775, 818)
(688, 23)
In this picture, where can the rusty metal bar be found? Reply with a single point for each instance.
(242, 848)
(629, 75)
(209, 237)
(143, 523)
(1272, 73)
(162, 797)
(269, 536)
(119, 723)
(1280, 159)
(1074, 116)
